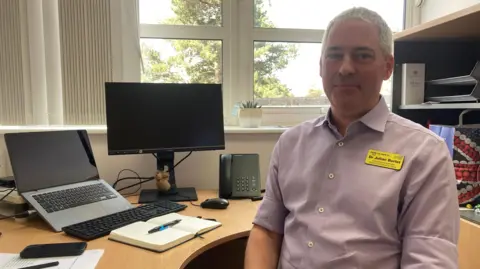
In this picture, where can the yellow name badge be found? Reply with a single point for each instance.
(384, 159)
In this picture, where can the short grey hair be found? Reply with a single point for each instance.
(361, 13)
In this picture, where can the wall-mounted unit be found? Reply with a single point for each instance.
(469, 80)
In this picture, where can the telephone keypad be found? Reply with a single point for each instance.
(246, 183)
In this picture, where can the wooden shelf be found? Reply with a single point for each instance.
(460, 24)
(443, 106)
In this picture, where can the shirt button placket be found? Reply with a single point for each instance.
(331, 176)
(310, 244)
(340, 144)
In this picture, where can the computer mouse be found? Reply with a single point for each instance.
(215, 203)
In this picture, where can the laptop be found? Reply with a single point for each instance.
(56, 172)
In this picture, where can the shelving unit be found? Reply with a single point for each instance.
(442, 106)
(450, 49)
(462, 80)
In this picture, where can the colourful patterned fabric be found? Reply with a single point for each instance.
(466, 160)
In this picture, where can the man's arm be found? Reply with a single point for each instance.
(265, 240)
(263, 248)
(429, 220)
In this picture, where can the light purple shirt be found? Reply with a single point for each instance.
(337, 212)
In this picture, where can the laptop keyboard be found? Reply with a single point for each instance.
(102, 226)
(69, 198)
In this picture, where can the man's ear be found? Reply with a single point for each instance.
(390, 62)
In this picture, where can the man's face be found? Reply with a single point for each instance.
(353, 66)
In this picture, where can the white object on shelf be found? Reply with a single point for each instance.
(250, 117)
(413, 83)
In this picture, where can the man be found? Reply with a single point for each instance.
(361, 187)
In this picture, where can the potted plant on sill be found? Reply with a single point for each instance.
(250, 114)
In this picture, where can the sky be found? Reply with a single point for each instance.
(303, 72)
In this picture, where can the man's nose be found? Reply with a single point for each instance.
(347, 67)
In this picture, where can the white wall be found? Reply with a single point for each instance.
(200, 170)
(432, 9)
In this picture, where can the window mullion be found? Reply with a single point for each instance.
(229, 57)
(245, 49)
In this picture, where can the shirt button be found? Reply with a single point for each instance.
(331, 175)
(310, 244)
(321, 210)
(340, 144)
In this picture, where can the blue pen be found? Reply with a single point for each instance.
(164, 226)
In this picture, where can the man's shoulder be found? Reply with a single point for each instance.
(302, 129)
(401, 125)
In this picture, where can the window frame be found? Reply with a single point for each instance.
(238, 35)
(224, 33)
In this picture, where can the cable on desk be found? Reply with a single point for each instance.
(179, 162)
(189, 199)
(127, 178)
(22, 214)
(147, 179)
(8, 193)
(133, 185)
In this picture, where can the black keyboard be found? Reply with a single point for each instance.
(102, 226)
(69, 198)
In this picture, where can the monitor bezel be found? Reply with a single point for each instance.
(113, 152)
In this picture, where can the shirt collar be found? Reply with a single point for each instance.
(375, 119)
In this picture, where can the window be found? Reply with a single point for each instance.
(313, 14)
(287, 37)
(181, 61)
(185, 41)
(263, 50)
(266, 50)
(181, 12)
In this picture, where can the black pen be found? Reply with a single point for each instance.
(40, 266)
(164, 226)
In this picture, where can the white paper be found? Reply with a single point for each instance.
(88, 260)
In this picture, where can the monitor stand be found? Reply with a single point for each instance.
(166, 161)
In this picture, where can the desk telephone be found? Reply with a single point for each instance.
(239, 176)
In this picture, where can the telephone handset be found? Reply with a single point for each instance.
(239, 176)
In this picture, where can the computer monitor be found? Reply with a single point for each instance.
(161, 119)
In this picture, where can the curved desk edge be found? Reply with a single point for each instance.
(213, 244)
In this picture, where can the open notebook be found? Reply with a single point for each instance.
(136, 234)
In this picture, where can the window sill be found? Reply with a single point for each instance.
(103, 129)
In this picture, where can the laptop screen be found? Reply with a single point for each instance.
(52, 158)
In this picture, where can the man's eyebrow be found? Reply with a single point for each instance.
(364, 49)
(334, 48)
(338, 48)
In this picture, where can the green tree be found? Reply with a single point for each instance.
(315, 93)
(200, 61)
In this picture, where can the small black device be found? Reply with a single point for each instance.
(161, 119)
(7, 182)
(53, 250)
(239, 176)
(95, 228)
(215, 203)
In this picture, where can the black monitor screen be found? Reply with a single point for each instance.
(152, 117)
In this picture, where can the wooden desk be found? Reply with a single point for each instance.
(236, 224)
(468, 245)
(236, 220)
